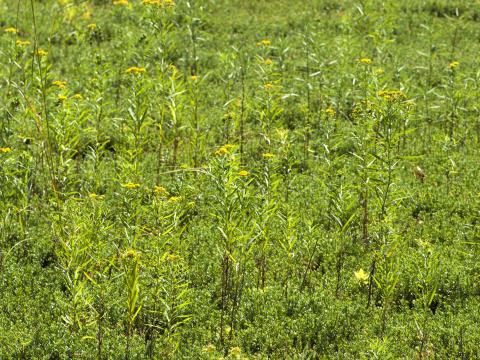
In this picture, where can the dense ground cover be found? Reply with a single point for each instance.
(239, 179)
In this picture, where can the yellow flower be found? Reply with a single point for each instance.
(4, 150)
(235, 351)
(267, 155)
(222, 151)
(391, 95)
(454, 64)
(59, 84)
(268, 61)
(41, 53)
(135, 70)
(160, 190)
(131, 185)
(172, 257)
(268, 86)
(175, 199)
(366, 61)
(11, 30)
(61, 98)
(22, 42)
(77, 96)
(131, 253)
(94, 196)
(361, 276)
(120, 2)
(330, 111)
(194, 77)
(243, 173)
(264, 42)
(158, 2)
(209, 348)
(92, 26)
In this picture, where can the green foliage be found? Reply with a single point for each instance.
(239, 179)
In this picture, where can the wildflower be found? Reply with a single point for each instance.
(379, 71)
(243, 173)
(165, 3)
(22, 42)
(160, 190)
(130, 254)
(453, 65)
(121, 2)
(268, 61)
(209, 348)
(135, 70)
(87, 15)
(235, 352)
(330, 111)
(391, 95)
(92, 26)
(194, 77)
(59, 84)
(361, 276)
(131, 186)
(94, 196)
(172, 257)
(61, 98)
(41, 53)
(221, 151)
(267, 155)
(268, 86)
(365, 61)
(4, 150)
(11, 30)
(174, 199)
(264, 42)
(77, 96)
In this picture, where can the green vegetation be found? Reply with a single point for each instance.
(239, 179)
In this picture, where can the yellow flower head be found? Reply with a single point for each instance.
(264, 42)
(11, 30)
(77, 97)
(131, 186)
(120, 2)
(22, 42)
(92, 26)
(391, 95)
(222, 151)
(361, 276)
(160, 190)
(454, 64)
(61, 98)
(268, 86)
(4, 150)
(59, 84)
(174, 199)
(330, 111)
(366, 61)
(235, 352)
(243, 173)
(268, 61)
(165, 3)
(194, 77)
(41, 53)
(267, 155)
(135, 70)
(209, 348)
(94, 196)
(131, 254)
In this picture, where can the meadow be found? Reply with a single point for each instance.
(236, 179)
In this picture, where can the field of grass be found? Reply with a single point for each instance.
(234, 179)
